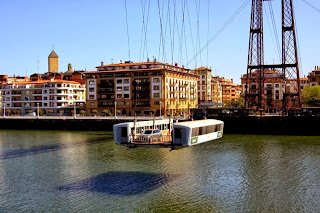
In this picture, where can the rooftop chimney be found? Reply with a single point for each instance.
(102, 63)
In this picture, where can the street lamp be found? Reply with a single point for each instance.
(74, 110)
(115, 109)
(38, 110)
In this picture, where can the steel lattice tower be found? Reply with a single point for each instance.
(254, 92)
(290, 67)
(254, 88)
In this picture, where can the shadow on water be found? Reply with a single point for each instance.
(121, 183)
(21, 152)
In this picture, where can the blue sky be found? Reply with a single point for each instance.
(85, 32)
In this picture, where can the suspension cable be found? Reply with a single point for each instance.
(312, 6)
(220, 30)
(275, 30)
(125, 5)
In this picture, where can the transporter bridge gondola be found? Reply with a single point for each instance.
(166, 134)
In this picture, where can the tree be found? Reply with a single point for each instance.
(236, 103)
(311, 95)
(106, 112)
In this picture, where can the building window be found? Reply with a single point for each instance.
(156, 95)
(45, 98)
(91, 82)
(119, 88)
(126, 96)
(91, 89)
(119, 81)
(91, 103)
(126, 81)
(277, 85)
(157, 103)
(156, 87)
(91, 96)
(126, 88)
(156, 80)
(119, 95)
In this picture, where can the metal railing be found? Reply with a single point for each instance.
(154, 139)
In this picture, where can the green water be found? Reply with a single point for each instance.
(57, 171)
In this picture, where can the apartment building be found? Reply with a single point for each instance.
(273, 88)
(141, 88)
(216, 90)
(314, 77)
(230, 90)
(51, 96)
(204, 84)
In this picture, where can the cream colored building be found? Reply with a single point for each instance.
(51, 96)
(216, 90)
(141, 88)
(204, 84)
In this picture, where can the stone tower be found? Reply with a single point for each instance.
(53, 60)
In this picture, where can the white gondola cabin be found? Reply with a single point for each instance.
(184, 134)
(195, 132)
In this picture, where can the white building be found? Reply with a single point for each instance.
(51, 96)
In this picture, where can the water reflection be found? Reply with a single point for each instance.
(87, 172)
(20, 152)
(121, 183)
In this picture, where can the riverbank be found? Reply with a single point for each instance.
(269, 125)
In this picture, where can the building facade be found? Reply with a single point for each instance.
(216, 88)
(314, 77)
(53, 97)
(141, 88)
(230, 90)
(204, 84)
(273, 88)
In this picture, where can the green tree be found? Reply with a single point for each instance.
(106, 112)
(237, 103)
(311, 95)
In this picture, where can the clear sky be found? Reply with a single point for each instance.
(86, 32)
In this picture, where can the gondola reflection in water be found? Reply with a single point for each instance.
(164, 133)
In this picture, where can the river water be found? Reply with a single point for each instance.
(57, 171)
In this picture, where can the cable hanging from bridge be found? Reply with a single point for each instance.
(275, 30)
(145, 21)
(208, 31)
(311, 5)
(125, 5)
(219, 31)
